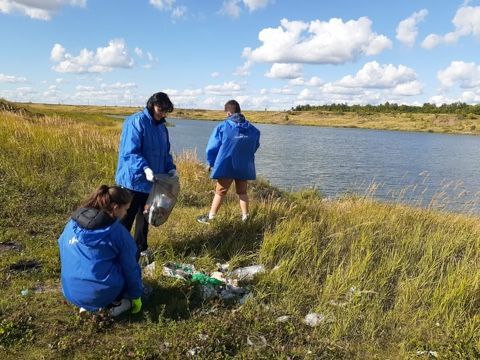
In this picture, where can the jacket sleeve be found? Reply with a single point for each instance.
(131, 149)
(213, 145)
(169, 162)
(258, 141)
(128, 262)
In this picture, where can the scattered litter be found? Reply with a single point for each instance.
(179, 271)
(314, 319)
(352, 293)
(257, 341)
(9, 245)
(149, 270)
(223, 267)
(146, 258)
(203, 337)
(46, 289)
(25, 265)
(248, 272)
(428, 352)
(194, 351)
(218, 284)
(282, 319)
(208, 292)
(245, 298)
(24, 292)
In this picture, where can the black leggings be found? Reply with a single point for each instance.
(135, 212)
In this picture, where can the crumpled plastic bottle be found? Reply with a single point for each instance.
(248, 272)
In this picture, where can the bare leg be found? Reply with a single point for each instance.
(244, 204)
(216, 203)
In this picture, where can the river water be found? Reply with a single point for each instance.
(423, 169)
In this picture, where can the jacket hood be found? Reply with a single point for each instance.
(155, 122)
(91, 225)
(91, 219)
(238, 120)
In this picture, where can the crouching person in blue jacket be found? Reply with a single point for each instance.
(231, 158)
(98, 255)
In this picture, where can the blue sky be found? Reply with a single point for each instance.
(271, 54)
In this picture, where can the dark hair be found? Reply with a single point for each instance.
(105, 197)
(160, 99)
(232, 106)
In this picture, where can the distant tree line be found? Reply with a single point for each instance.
(453, 108)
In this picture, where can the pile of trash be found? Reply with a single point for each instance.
(222, 284)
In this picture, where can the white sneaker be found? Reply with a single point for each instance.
(120, 307)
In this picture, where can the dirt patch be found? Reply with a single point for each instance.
(25, 265)
(9, 245)
(445, 122)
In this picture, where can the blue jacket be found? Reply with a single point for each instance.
(231, 149)
(98, 260)
(144, 143)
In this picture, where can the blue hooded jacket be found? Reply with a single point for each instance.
(144, 143)
(231, 149)
(98, 260)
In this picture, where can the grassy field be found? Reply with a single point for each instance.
(391, 282)
(437, 123)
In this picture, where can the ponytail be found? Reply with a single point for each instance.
(105, 197)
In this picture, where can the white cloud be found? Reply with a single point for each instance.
(243, 70)
(115, 55)
(374, 75)
(11, 79)
(318, 42)
(176, 12)
(231, 8)
(284, 71)
(253, 5)
(466, 75)
(215, 74)
(313, 81)
(57, 53)
(36, 9)
(466, 22)
(407, 30)
(162, 4)
(179, 12)
(226, 88)
(138, 51)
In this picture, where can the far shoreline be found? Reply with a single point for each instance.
(409, 122)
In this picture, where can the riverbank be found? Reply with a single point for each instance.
(435, 123)
(387, 281)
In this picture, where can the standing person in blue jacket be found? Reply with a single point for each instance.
(143, 152)
(231, 158)
(97, 254)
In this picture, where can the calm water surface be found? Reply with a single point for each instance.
(418, 168)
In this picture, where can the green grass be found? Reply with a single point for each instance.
(390, 280)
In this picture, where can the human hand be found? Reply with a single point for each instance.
(136, 305)
(149, 174)
(173, 172)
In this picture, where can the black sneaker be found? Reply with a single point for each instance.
(204, 219)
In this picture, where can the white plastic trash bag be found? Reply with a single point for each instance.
(162, 199)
